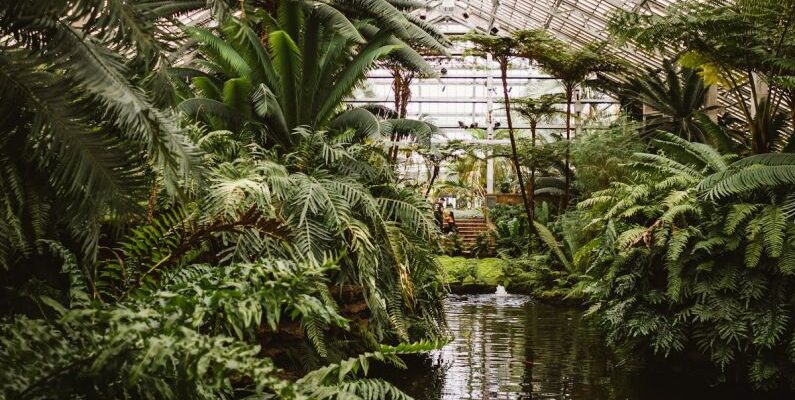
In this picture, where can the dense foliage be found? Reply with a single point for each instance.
(190, 209)
(201, 222)
(690, 250)
(679, 271)
(682, 241)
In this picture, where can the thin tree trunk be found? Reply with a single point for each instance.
(514, 152)
(569, 91)
(434, 174)
(396, 85)
(402, 90)
(792, 108)
(532, 183)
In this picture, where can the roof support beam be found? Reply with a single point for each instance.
(495, 5)
(552, 13)
(454, 18)
(638, 6)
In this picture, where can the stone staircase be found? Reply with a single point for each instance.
(468, 230)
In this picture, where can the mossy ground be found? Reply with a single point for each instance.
(482, 271)
(482, 275)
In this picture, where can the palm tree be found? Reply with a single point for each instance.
(502, 49)
(434, 157)
(536, 110)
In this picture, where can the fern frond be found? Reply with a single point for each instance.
(549, 239)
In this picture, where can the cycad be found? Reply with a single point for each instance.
(270, 90)
(677, 94)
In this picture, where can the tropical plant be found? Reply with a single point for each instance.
(547, 156)
(85, 125)
(167, 304)
(675, 271)
(466, 174)
(570, 65)
(502, 49)
(336, 195)
(332, 199)
(401, 87)
(189, 339)
(599, 155)
(510, 239)
(678, 95)
(434, 157)
(771, 174)
(264, 91)
(536, 110)
(484, 245)
(502, 160)
(747, 47)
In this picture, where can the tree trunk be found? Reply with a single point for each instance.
(405, 96)
(790, 94)
(396, 85)
(402, 88)
(532, 183)
(434, 174)
(514, 152)
(792, 108)
(569, 93)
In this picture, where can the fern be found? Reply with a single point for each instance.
(774, 226)
(711, 270)
(552, 244)
(751, 175)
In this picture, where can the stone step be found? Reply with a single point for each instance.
(469, 229)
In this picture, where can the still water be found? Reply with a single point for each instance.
(509, 347)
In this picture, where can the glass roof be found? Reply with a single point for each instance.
(575, 21)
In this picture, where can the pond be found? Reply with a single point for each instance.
(510, 347)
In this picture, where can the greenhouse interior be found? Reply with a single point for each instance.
(397, 199)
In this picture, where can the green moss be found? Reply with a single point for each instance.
(531, 276)
(485, 271)
(491, 270)
(454, 268)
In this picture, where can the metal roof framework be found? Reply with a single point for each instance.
(578, 22)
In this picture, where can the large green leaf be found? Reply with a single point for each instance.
(288, 64)
(351, 75)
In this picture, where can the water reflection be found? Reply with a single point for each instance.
(508, 347)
